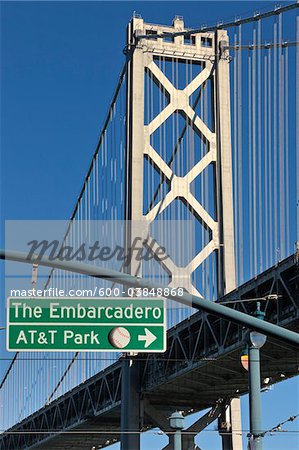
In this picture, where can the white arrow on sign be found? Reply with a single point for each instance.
(148, 337)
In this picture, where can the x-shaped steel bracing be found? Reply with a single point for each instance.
(180, 187)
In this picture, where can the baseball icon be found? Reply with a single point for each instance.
(119, 337)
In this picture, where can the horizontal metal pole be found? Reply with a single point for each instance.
(208, 306)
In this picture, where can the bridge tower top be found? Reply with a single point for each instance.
(194, 46)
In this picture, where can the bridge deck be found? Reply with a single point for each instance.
(201, 365)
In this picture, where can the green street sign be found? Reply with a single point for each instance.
(86, 324)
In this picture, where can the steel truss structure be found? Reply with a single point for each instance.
(216, 137)
(200, 369)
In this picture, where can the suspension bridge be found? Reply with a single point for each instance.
(199, 153)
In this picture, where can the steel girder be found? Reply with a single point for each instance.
(201, 365)
(88, 400)
(203, 338)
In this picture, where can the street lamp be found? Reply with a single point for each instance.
(255, 342)
(176, 421)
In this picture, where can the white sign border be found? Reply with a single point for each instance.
(79, 324)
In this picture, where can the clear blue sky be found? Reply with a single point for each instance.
(60, 62)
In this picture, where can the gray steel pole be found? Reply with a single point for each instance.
(130, 405)
(176, 421)
(255, 404)
(213, 308)
(177, 443)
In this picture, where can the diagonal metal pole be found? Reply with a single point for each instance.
(214, 308)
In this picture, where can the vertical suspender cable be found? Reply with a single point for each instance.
(254, 155)
(275, 152)
(155, 269)
(297, 129)
(177, 210)
(270, 165)
(281, 183)
(251, 253)
(204, 181)
(116, 124)
(148, 120)
(206, 201)
(202, 189)
(164, 224)
(260, 209)
(240, 163)
(287, 180)
(266, 156)
(235, 154)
